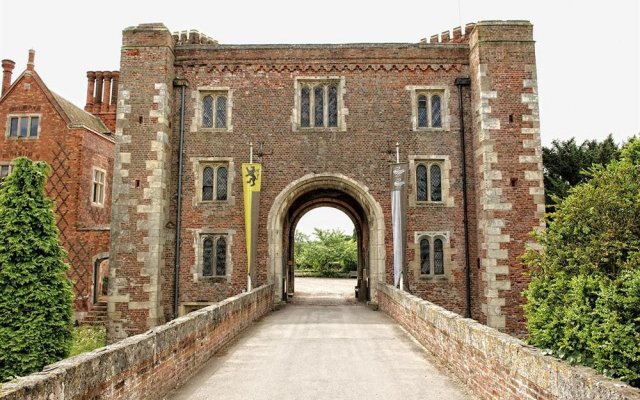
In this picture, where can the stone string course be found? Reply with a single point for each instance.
(149, 365)
(492, 364)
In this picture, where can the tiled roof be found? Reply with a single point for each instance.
(78, 116)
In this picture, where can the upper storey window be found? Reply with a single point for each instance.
(23, 126)
(213, 111)
(319, 104)
(429, 108)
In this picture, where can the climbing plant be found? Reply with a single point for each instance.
(583, 303)
(35, 294)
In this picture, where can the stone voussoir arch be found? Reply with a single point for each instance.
(324, 181)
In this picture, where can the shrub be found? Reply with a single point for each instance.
(35, 294)
(583, 303)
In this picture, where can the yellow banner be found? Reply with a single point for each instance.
(251, 182)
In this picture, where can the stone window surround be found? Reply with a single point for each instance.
(198, 95)
(342, 110)
(93, 186)
(6, 164)
(445, 173)
(30, 115)
(198, 239)
(198, 165)
(446, 247)
(415, 91)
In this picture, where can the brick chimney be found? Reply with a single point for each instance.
(102, 96)
(7, 70)
(32, 56)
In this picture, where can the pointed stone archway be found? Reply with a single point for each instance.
(333, 190)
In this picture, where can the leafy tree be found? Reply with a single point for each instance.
(565, 163)
(35, 294)
(583, 303)
(331, 253)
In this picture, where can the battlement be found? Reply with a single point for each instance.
(455, 36)
(192, 37)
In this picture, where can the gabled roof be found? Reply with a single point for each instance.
(74, 116)
(79, 117)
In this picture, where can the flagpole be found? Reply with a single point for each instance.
(397, 153)
(250, 152)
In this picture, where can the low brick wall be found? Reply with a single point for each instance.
(148, 365)
(492, 364)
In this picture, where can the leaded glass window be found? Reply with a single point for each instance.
(333, 106)
(438, 257)
(221, 257)
(305, 104)
(221, 183)
(221, 112)
(207, 111)
(207, 257)
(422, 111)
(13, 129)
(436, 182)
(421, 182)
(207, 184)
(318, 96)
(436, 115)
(33, 128)
(425, 258)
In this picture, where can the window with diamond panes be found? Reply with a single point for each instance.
(319, 105)
(207, 257)
(438, 257)
(425, 259)
(429, 112)
(429, 182)
(24, 126)
(221, 257)
(214, 111)
(215, 183)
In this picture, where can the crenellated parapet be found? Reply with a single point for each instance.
(455, 36)
(192, 37)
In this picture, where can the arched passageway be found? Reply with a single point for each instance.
(333, 190)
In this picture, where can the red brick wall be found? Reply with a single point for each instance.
(69, 153)
(494, 365)
(146, 366)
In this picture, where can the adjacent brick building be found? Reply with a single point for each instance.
(78, 146)
(324, 121)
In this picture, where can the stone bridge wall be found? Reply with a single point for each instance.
(148, 365)
(492, 364)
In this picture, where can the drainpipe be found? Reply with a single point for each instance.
(460, 82)
(176, 270)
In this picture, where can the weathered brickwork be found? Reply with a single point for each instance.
(146, 366)
(346, 166)
(494, 365)
(73, 142)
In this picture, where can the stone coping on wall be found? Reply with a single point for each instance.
(148, 365)
(495, 365)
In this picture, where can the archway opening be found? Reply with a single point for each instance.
(325, 257)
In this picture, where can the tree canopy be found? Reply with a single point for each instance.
(35, 294)
(330, 253)
(583, 303)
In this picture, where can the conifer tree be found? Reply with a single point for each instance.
(35, 294)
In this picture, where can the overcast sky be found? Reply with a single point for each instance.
(587, 51)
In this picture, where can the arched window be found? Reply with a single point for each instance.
(333, 106)
(305, 105)
(422, 111)
(436, 113)
(221, 112)
(207, 184)
(207, 257)
(438, 257)
(425, 258)
(221, 184)
(436, 182)
(207, 111)
(318, 97)
(421, 182)
(221, 257)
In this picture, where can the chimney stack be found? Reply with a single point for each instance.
(7, 69)
(32, 56)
